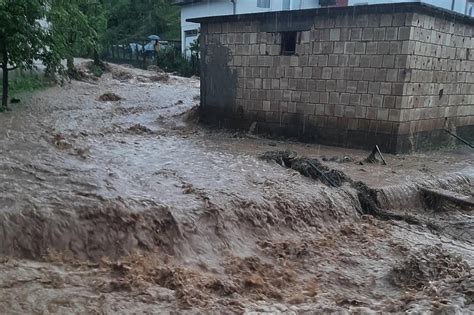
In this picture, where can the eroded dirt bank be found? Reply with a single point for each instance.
(116, 205)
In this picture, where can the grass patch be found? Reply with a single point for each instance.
(24, 82)
(21, 82)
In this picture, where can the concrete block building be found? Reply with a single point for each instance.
(395, 75)
(191, 9)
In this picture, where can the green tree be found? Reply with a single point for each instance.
(129, 20)
(22, 37)
(97, 20)
(75, 26)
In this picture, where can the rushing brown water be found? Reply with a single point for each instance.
(123, 207)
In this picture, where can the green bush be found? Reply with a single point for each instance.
(96, 69)
(171, 60)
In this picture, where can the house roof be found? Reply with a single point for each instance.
(403, 7)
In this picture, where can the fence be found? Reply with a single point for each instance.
(141, 55)
(133, 53)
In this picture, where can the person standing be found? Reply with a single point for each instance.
(157, 47)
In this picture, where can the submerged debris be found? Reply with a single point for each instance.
(60, 142)
(282, 158)
(84, 72)
(143, 79)
(82, 152)
(109, 97)
(191, 116)
(139, 129)
(376, 157)
(428, 265)
(368, 197)
(155, 68)
(338, 159)
(252, 128)
(311, 168)
(121, 75)
(160, 77)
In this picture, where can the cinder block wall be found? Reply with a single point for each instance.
(390, 75)
(439, 94)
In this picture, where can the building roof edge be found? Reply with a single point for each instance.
(404, 7)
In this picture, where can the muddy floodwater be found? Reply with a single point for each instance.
(114, 200)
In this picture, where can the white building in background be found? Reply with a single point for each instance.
(203, 8)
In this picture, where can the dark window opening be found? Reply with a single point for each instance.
(327, 3)
(339, 3)
(288, 43)
(263, 4)
(191, 33)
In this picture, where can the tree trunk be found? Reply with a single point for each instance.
(70, 64)
(71, 69)
(97, 60)
(5, 80)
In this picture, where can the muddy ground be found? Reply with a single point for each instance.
(123, 204)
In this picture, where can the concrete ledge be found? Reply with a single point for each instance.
(358, 139)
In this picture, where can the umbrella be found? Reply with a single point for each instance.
(154, 37)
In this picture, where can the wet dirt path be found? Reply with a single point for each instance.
(122, 207)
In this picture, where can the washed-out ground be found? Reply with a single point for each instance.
(130, 206)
